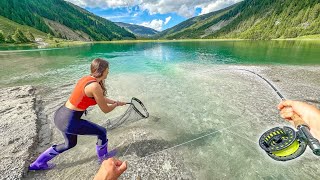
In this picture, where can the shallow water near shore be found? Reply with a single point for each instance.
(206, 116)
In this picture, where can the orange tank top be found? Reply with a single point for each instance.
(78, 97)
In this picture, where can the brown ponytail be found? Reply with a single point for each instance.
(98, 66)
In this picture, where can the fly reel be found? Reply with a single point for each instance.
(283, 143)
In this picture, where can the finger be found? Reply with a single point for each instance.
(280, 105)
(118, 162)
(123, 167)
(286, 114)
(285, 103)
(106, 162)
(286, 117)
(286, 109)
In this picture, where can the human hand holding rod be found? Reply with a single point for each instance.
(306, 118)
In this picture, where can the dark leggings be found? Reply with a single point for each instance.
(71, 125)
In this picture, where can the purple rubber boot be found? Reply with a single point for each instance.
(41, 162)
(102, 152)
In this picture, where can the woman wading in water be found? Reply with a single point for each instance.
(90, 90)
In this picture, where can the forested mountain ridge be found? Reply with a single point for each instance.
(62, 19)
(191, 28)
(255, 19)
(138, 30)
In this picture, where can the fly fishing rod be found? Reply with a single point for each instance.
(284, 143)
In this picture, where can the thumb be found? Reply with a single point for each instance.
(123, 167)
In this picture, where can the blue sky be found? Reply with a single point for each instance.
(156, 14)
(136, 16)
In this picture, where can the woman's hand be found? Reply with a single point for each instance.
(308, 113)
(119, 103)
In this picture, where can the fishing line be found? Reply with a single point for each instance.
(241, 136)
(130, 144)
(187, 142)
(192, 140)
(292, 149)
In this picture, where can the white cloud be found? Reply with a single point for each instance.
(216, 5)
(105, 3)
(154, 24)
(167, 20)
(115, 17)
(136, 14)
(119, 3)
(185, 8)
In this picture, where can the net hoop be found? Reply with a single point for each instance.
(137, 110)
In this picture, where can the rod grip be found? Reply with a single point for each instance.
(297, 120)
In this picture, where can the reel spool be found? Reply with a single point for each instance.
(283, 144)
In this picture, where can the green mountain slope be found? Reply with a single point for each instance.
(62, 19)
(137, 30)
(8, 27)
(257, 19)
(193, 27)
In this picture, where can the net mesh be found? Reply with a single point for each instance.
(136, 111)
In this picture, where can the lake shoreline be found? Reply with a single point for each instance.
(53, 44)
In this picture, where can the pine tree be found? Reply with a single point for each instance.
(50, 36)
(30, 36)
(2, 40)
(315, 12)
(19, 37)
(9, 39)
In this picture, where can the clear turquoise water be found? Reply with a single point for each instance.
(186, 94)
(33, 66)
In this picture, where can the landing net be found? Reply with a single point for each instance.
(135, 112)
